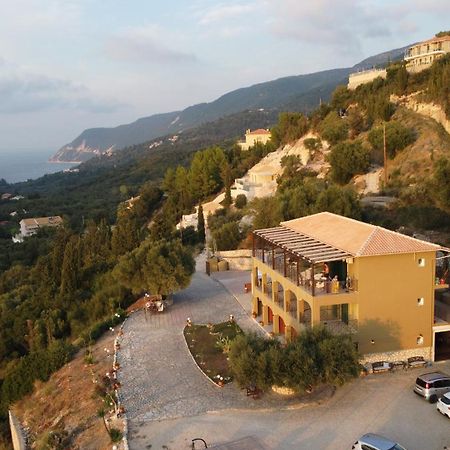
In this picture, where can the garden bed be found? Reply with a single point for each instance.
(209, 346)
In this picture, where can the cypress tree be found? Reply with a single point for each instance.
(201, 225)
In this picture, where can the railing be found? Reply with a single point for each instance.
(340, 326)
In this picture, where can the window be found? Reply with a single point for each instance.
(421, 262)
(419, 340)
(420, 301)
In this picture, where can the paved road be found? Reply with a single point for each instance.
(169, 401)
(381, 403)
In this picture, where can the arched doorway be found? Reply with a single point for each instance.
(270, 315)
(282, 325)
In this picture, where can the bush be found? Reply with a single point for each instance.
(228, 236)
(312, 144)
(397, 138)
(290, 127)
(315, 356)
(240, 201)
(348, 159)
(334, 128)
(115, 435)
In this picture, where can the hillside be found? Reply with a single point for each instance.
(296, 93)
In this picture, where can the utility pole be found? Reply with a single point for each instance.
(384, 154)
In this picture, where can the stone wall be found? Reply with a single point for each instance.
(400, 355)
(238, 259)
(18, 437)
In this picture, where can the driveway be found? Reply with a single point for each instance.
(382, 403)
(169, 400)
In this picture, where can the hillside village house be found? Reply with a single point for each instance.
(420, 56)
(28, 227)
(390, 291)
(252, 137)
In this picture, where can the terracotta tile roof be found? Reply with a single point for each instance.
(259, 131)
(43, 221)
(357, 238)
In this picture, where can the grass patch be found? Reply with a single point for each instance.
(209, 345)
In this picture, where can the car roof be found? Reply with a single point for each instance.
(447, 395)
(432, 376)
(379, 441)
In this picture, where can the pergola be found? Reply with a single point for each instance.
(298, 246)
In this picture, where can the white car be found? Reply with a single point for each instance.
(372, 441)
(443, 405)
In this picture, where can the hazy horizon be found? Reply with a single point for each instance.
(67, 66)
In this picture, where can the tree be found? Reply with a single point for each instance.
(227, 180)
(333, 128)
(228, 236)
(240, 201)
(290, 127)
(70, 267)
(397, 138)
(267, 212)
(441, 179)
(348, 159)
(201, 224)
(339, 200)
(160, 267)
(126, 233)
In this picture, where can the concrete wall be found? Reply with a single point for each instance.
(389, 287)
(358, 78)
(238, 259)
(18, 437)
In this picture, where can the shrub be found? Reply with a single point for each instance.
(312, 144)
(348, 159)
(115, 435)
(397, 138)
(240, 201)
(228, 236)
(290, 127)
(315, 356)
(333, 128)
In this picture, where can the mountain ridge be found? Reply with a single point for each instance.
(296, 92)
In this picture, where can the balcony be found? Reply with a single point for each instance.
(341, 327)
(311, 279)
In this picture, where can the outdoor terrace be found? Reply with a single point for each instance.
(304, 261)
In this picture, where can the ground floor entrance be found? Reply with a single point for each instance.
(442, 345)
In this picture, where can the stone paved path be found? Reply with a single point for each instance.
(159, 378)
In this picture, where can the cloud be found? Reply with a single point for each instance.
(221, 12)
(344, 26)
(22, 91)
(145, 44)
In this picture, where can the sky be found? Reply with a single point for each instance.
(67, 65)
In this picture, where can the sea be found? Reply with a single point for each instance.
(24, 164)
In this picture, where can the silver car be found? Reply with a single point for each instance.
(372, 441)
(432, 385)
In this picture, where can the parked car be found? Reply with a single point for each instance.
(372, 441)
(432, 385)
(443, 405)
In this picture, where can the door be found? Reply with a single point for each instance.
(270, 315)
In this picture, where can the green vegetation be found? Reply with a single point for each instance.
(333, 128)
(348, 159)
(210, 346)
(314, 357)
(398, 137)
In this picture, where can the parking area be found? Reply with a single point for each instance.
(383, 403)
(169, 401)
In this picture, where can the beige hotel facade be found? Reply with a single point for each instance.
(389, 290)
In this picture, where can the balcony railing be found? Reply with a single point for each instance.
(302, 276)
(340, 326)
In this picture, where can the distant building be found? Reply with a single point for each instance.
(355, 79)
(420, 56)
(28, 227)
(252, 137)
(6, 196)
